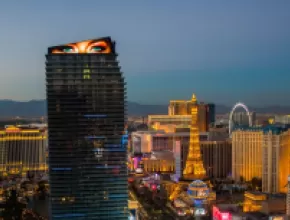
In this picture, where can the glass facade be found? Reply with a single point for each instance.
(87, 143)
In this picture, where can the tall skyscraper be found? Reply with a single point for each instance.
(181, 109)
(87, 142)
(211, 113)
(242, 118)
(261, 152)
(202, 118)
(247, 154)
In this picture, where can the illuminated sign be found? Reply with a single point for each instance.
(101, 46)
(136, 162)
(271, 121)
(12, 130)
(218, 215)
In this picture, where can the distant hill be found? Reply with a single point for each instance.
(37, 108)
(33, 108)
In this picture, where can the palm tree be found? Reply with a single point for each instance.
(42, 189)
(13, 209)
(256, 183)
(242, 179)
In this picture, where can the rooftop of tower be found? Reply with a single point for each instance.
(95, 45)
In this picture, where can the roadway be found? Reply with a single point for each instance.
(149, 210)
(156, 208)
(154, 205)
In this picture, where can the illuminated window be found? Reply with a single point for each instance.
(86, 71)
(98, 143)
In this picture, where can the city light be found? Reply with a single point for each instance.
(185, 116)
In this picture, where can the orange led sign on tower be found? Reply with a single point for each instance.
(102, 45)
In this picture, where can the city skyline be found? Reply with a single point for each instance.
(144, 110)
(230, 51)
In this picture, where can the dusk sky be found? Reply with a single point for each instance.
(224, 51)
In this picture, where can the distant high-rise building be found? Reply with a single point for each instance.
(288, 196)
(211, 113)
(284, 168)
(282, 119)
(242, 118)
(169, 123)
(270, 160)
(202, 119)
(256, 152)
(246, 154)
(86, 122)
(217, 158)
(22, 150)
(147, 141)
(253, 118)
(181, 109)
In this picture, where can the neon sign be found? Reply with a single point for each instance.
(218, 215)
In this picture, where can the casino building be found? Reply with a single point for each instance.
(22, 150)
(87, 142)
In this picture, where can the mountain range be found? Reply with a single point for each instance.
(36, 108)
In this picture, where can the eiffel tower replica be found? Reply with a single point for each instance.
(194, 168)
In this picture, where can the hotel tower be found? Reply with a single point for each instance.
(87, 142)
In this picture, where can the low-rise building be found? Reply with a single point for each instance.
(161, 162)
(216, 155)
(147, 141)
(266, 204)
(253, 201)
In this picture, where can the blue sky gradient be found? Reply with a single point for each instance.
(224, 51)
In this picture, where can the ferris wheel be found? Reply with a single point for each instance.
(238, 105)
